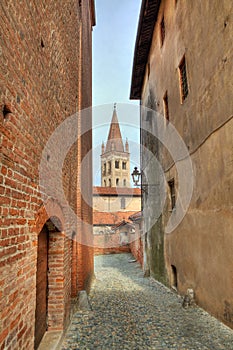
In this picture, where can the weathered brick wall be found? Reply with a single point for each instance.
(136, 247)
(112, 250)
(109, 243)
(41, 84)
(84, 248)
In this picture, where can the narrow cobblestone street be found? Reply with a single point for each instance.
(133, 312)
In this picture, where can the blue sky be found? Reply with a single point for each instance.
(113, 48)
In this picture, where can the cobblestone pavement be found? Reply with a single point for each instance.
(132, 312)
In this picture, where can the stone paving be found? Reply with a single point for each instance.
(133, 312)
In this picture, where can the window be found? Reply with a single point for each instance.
(148, 69)
(104, 169)
(162, 31)
(110, 183)
(124, 165)
(104, 183)
(183, 80)
(171, 185)
(123, 203)
(109, 167)
(165, 106)
(117, 182)
(117, 164)
(124, 182)
(174, 283)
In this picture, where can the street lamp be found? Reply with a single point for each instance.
(144, 187)
(136, 176)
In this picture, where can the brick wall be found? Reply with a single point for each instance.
(42, 82)
(84, 197)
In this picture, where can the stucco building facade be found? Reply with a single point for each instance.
(45, 77)
(183, 73)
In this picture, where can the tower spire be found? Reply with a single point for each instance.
(115, 159)
(114, 137)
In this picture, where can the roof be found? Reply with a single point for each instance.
(110, 219)
(122, 224)
(136, 216)
(116, 191)
(114, 142)
(148, 16)
(93, 17)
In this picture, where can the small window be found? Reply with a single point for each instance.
(104, 183)
(117, 164)
(148, 69)
(117, 182)
(109, 167)
(171, 185)
(162, 31)
(174, 282)
(104, 169)
(124, 165)
(165, 106)
(123, 203)
(183, 79)
(110, 183)
(124, 182)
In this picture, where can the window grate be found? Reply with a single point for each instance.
(162, 31)
(165, 106)
(183, 80)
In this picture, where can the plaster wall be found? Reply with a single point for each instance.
(201, 246)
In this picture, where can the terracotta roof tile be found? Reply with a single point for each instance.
(106, 218)
(116, 191)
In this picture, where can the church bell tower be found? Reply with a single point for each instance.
(115, 157)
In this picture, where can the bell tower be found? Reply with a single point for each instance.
(115, 157)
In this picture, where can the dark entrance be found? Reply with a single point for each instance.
(41, 287)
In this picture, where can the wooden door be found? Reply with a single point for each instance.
(41, 287)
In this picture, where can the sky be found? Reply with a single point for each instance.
(114, 39)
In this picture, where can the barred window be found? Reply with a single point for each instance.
(171, 185)
(162, 31)
(165, 106)
(183, 79)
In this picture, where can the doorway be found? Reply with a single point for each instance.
(41, 316)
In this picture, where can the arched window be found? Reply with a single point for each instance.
(124, 182)
(110, 183)
(117, 164)
(117, 182)
(124, 165)
(104, 183)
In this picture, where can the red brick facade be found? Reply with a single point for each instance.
(45, 77)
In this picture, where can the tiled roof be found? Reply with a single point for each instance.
(111, 219)
(148, 16)
(136, 216)
(123, 223)
(116, 191)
